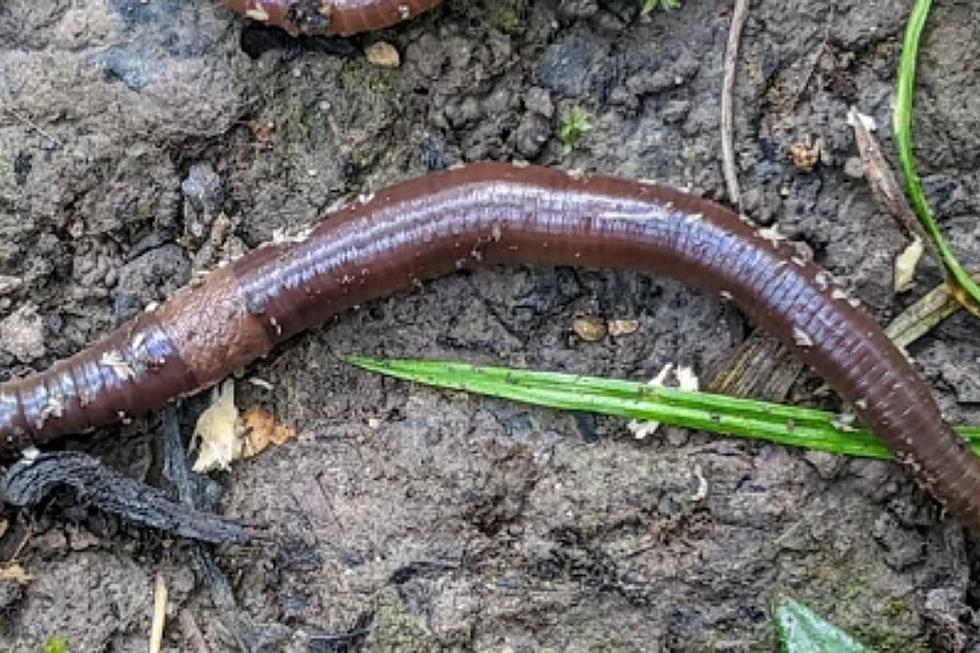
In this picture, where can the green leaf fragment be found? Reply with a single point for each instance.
(573, 127)
(56, 644)
(667, 5)
(801, 630)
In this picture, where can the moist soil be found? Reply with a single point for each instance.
(142, 142)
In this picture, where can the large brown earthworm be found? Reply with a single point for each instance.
(491, 213)
(340, 17)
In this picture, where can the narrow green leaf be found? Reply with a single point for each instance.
(803, 631)
(789, 425)
(903, 137)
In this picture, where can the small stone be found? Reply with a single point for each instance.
(82, 539)
(22, 334)
(676, 110)
(804, 156)
(964, 380)
(11, 593)
(203, 196)
(854, 167)
(623, 327)
(52, 541)
(827, 465)
(383, 54)
(538, 100)
(590, 328)
(9, 284)
(265, 130)
(531, 135)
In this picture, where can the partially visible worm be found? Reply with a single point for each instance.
(340, 17)
(486, 214)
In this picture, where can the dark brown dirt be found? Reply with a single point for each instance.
(130, 136)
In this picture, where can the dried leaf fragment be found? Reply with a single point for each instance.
(687, 379)
(261, 431)
(15, 573)
(218, 431)
(683, 378)
(905, 264)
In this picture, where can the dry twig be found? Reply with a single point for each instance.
(739, 14)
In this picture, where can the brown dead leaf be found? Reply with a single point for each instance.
(261, 431)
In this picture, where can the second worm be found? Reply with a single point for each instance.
(340, 17)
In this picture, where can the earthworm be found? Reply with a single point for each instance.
(339, 17)
(497, 213)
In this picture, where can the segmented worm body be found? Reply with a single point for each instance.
(340, 17)
(494, 213)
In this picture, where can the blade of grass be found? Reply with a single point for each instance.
(790, 425)
(968, 292)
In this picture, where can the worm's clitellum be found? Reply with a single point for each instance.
(497, 213)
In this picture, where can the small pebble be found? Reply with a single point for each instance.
(9, 284)
(383, 54)
(538, 100)
(623, 327)
(854, 167)
(590, 328)
(675, 111)
(804, 156)
(22, 334)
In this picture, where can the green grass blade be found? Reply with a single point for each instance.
(803, 631)
(789, 425)
(903, 137)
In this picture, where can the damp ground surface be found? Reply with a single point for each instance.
(143, 141)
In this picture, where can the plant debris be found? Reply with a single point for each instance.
(218, 432)
(29, 481)
(682, 377)
(905, 264)
(15, 573)
(261, 431)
